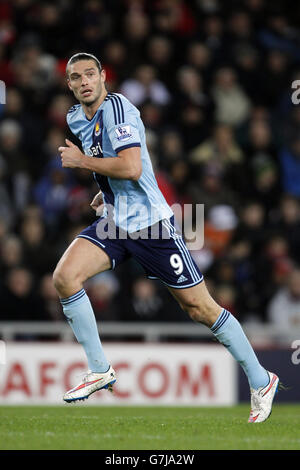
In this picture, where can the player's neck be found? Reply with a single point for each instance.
(91, 110)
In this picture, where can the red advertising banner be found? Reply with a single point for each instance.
(169, 374)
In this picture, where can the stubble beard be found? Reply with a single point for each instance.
(93, 101)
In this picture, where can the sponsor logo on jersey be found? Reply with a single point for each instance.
(95, 150)
(123, 133)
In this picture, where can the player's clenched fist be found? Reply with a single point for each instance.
(71, 156)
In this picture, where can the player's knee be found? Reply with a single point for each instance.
(59, 279)
(66, 281)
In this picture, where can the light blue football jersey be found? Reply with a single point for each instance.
(116, 126)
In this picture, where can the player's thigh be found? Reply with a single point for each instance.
(198, 303)
(81, 260)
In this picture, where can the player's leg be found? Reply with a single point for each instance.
(81, 261)
(198, 303)
(167, 258)
(201, 307)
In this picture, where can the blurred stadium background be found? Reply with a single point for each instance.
(213, 81)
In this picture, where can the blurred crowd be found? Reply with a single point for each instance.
(213, 82)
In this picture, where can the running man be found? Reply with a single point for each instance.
(113, 142)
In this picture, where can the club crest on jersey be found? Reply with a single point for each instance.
(97, 129)
(123, 133)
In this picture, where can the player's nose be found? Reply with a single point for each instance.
(84, 81)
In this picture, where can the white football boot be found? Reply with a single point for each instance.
(90, 383)
(262, 399)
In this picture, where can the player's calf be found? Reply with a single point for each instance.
(198, 304)
(203, 313)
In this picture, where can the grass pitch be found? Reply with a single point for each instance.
(83, 427)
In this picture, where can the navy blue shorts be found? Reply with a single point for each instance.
(163, 256)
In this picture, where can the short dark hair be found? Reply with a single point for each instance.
(83, 56)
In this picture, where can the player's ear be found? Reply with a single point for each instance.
(69, 84)
(103, 75)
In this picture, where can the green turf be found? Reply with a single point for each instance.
(111, 428)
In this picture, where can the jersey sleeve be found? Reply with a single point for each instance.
(121, 121)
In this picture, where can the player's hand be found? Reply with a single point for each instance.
(71, 156)
(97, 203)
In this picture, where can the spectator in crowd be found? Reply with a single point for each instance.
(248, 297)
(32, 127)
(226, 295)
(179, 172)
(18, 298)
(221, 148)
(11, 253)
(16, 163)
(152, 115)
(171, 147)
(219, 227)
(37, 251)
(190, 87)
(175, 18)
(199, 56)
(240, 29)
(252, 225)
(213, 35)
(7, 210)
(116, 58)
(57, 111)
(34, 72)
(52, 191)
(284, 307)
(274, 77)
(136, 28)
(262, 164)
(145, 87)
(222, 151)
(232, 104)
(212, 190)
(102, 290)
(274, 264)
(54, 137)
(148, 303)
(287, 222)
(160, 54)
(290, 167)
(247, 63)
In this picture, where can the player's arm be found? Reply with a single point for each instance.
(127, 165)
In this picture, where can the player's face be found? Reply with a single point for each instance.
(86, 82)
